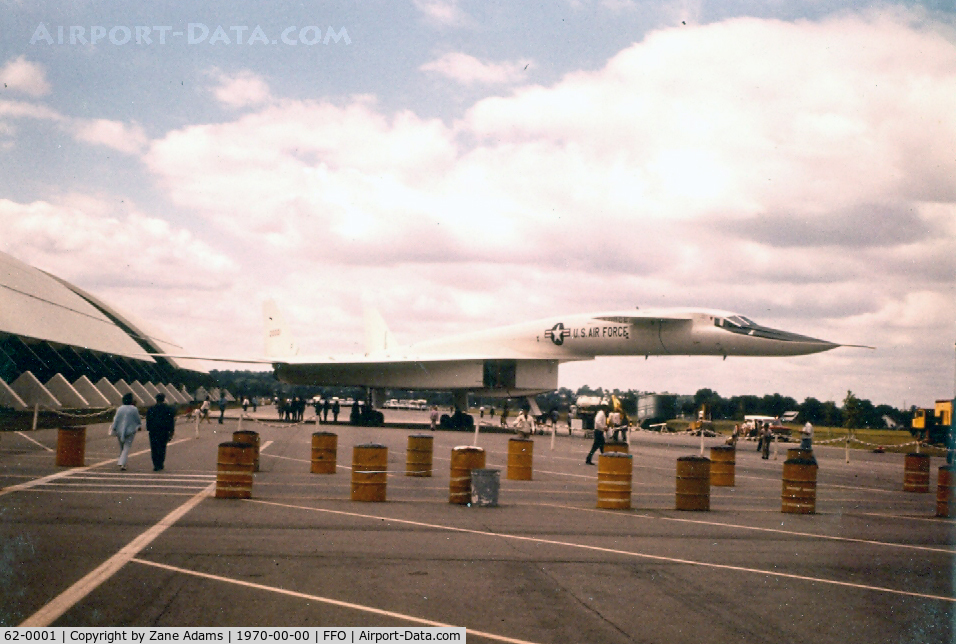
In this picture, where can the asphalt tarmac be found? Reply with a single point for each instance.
(94, 546)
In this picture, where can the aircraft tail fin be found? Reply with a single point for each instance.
(377, 335)
(279, 342)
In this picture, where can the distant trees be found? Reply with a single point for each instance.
(854, 413)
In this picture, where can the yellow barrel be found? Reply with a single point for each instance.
(324, 448)
(945, 493)
(799, 495)
(693, 483)
(916, 473)
(614, 481)
(419, 459)
(248, 437)
(616, 447)
(234, 471)
(723, 462)
(71, 446)
(369, 472)
(464, 459)
(520, 452)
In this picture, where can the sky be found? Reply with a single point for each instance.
(463, 165)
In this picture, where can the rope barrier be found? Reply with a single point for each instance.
(104, 410)
(245, 416)
(857, 441)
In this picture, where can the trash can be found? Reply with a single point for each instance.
(485, 484)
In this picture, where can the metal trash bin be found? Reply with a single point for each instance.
(485, 484)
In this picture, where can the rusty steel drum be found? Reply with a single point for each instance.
(796, 452)
(945, 493)
(324, 451)
(250, 438)
(71, 446)
(916, 473)
(799, 493)
(693, 483)
(235, 464)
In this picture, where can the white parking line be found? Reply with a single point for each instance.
(33, 440)
(74, 470)
(889, 544)
(626, 553)
(328, 600)
(68, 598)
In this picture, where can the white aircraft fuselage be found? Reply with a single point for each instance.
(523, 359)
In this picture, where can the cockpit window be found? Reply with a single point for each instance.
(735, 323)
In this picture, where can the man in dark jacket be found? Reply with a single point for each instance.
(160, 423)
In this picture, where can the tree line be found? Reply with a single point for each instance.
(853, 412)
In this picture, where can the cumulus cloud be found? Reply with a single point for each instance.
(22, 109)
(443, 12)
(469, 70)
(93, 241)
(21, 75)
(241, 89)
(799, 172)
(127, 138)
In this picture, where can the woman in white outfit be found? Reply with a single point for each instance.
(126, 423)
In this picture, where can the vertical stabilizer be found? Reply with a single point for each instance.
(279, 342)
(377, 335)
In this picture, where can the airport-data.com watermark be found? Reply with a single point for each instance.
(195, 33)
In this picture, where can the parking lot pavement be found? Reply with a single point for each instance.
(546, 565)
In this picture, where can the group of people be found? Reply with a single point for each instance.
(322, 409)
(292, 410)
(160, 424)
(206, 406)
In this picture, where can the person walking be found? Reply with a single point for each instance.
(222, 407)
(126, 423)
(433, 417)
(161, 424)
(767, 437)
(600, 426)
(204, 410)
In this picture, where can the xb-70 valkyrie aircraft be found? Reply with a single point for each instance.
(522, 360)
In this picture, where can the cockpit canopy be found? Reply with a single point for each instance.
(736, 324)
